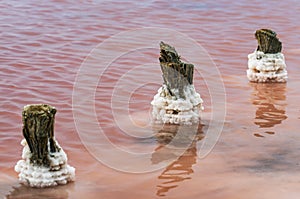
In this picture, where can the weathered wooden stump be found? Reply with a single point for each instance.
(267, 41)
(267, 63)
(176, 101)
(38, 130)
(176, 74)
(44, 163)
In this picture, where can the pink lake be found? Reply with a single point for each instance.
(43, 48)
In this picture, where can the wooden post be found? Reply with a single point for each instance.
(38, 130)
(176, 74)
(267, 41)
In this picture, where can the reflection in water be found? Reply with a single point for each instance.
(25, 192)
(176, 141)
(269, 99)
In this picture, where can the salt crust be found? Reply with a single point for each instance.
(59, 171)
(266, 67)
(168, 109)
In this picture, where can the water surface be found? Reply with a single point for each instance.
(257, 155)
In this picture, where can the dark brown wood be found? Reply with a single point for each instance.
(267, 41)
(38, 130)
(176, 74)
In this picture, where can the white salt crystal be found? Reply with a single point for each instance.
(168, 109)
(59, 171)
(266, 67)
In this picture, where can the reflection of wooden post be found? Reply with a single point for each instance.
(38, 130)
(177, 143)
(270, 100)
(178, 134)
(176, 74)
(267, 41)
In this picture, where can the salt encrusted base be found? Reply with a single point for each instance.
(59, 171)
(266, 67)
(168, 109)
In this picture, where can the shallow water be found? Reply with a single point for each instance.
(257, 155)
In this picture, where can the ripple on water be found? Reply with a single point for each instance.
(43, 46)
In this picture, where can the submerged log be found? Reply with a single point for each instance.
(267, 41)
(176, 74)
(38, 130)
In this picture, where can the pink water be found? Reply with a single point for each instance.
(257, 155)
